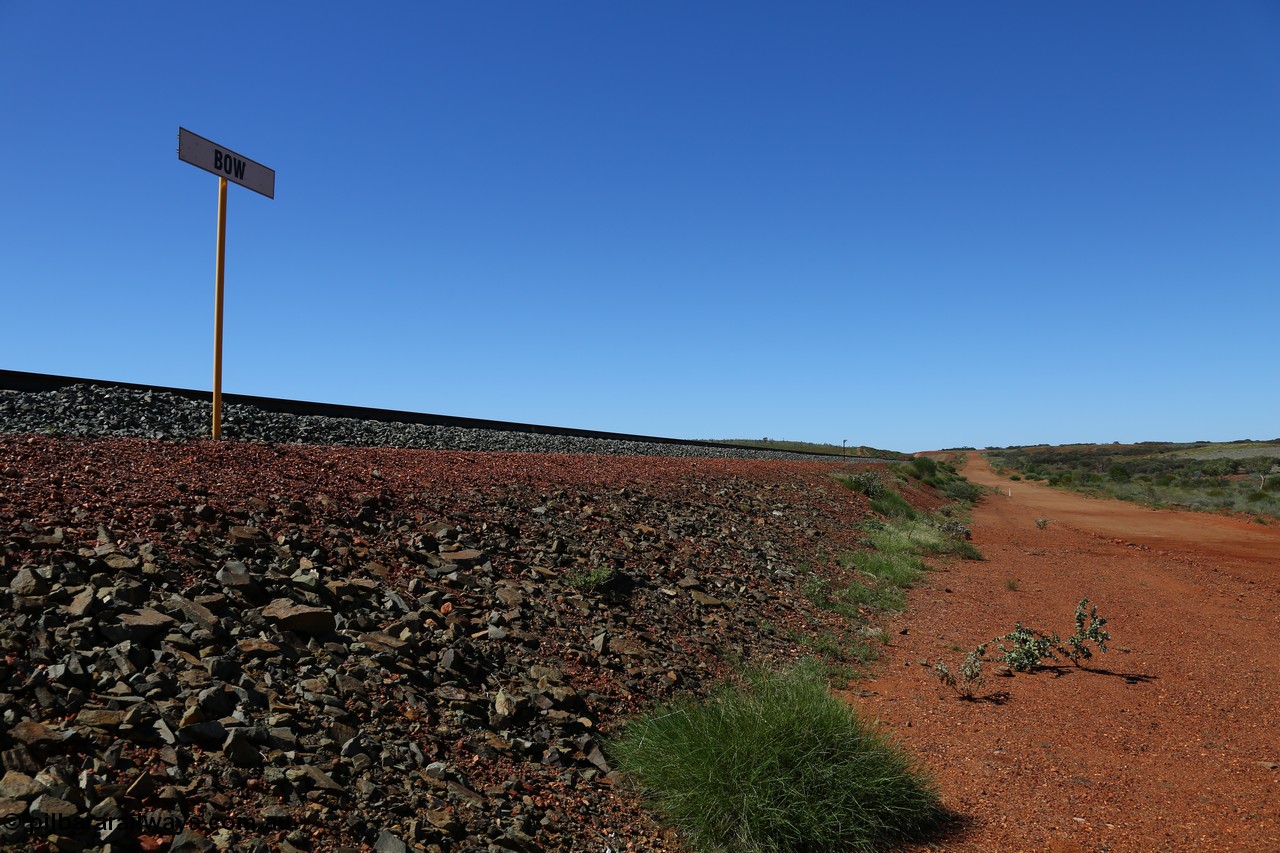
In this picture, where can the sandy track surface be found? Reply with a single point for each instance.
(1169, 742)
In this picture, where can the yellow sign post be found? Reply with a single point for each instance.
(227, 165)
(217, 308)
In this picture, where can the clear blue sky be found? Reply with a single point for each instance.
(910, 225)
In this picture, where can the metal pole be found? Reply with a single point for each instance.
(217, 311)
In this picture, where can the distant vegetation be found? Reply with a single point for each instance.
(1235, 477)
(811, 447)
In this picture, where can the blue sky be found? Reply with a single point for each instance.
(909, 225)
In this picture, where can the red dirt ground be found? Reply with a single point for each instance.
(1169, 742)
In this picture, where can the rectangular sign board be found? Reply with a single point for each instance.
(224, 163)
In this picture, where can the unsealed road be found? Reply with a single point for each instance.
(1169, 742)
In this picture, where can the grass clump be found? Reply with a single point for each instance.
(897, 569)
(893, 505)
(879, 597)
(777, 764)
(835, 650)
(919, 536)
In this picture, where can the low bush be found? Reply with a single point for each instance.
(777, 764)
(968, 677)
(962, 490)
(924, 467)
(868, 483)
(1028, 650)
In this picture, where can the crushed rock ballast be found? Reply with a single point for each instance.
(247, 646)
(85, 410)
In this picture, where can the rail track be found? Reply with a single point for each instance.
(21, 381)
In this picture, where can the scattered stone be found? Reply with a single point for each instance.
(28, 583)
(302, 618)
(138, 626)
(120, 562)
(389, 842)
(19, 786)
(100, 719)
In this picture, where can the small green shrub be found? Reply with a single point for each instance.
(969, 677)
(1088, 629)
(924, 467)
(868, 483)
(1029, 648)
(589, 580)
(1042, 523)
(774, 765)
(1011, 584)
(962, 490)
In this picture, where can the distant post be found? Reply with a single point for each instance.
(228, 166)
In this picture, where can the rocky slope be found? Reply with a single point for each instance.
(277, 647)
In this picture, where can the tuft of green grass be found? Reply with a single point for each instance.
(881, 597)
(1011, 584)
(896, 568)
(893, 505)
(914, 535)
(777, 765)
(832, 648)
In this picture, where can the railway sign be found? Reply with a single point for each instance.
(225, 163)
(228, 166)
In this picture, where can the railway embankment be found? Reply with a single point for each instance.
(253, 646)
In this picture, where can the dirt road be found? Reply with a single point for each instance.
(1169, 742)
